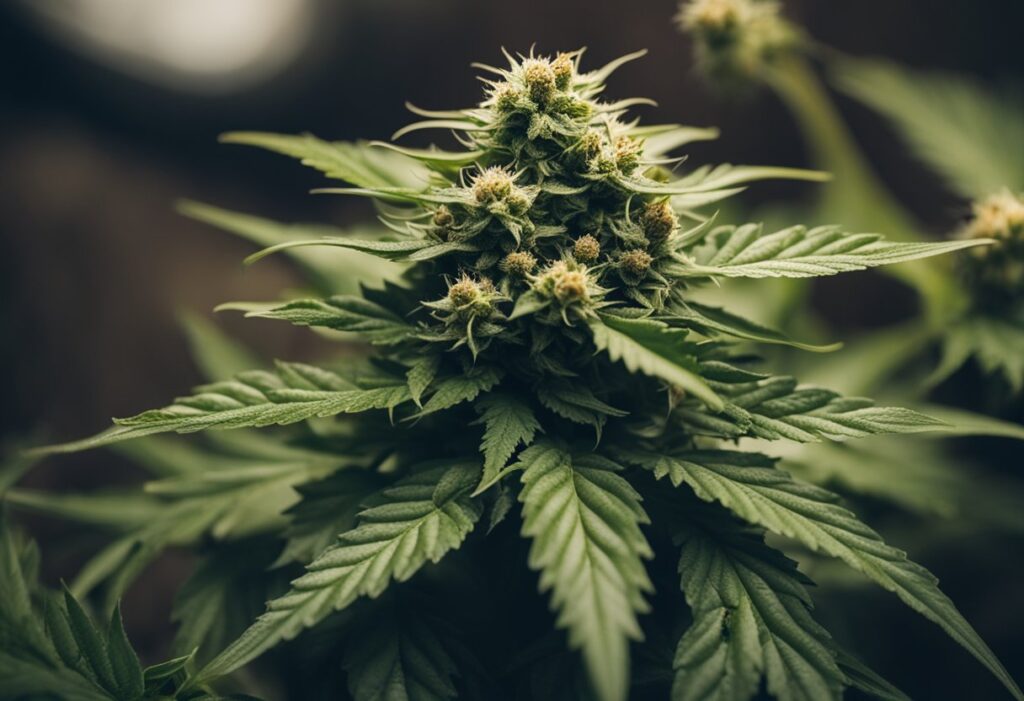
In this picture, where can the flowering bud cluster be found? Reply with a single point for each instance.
(556, 206)
(565, 281)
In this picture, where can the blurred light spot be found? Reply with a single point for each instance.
(194, 45)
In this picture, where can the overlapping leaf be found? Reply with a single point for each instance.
(414, 522)
(752, 619)
(508, 423)
(358, 163)
(748, 485)
(778, 408)
(584, 521)
(400, 657)
(654, 349)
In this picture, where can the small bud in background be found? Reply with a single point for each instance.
(999, 216)
(586, 249)
(519, 263)
(737, 39)
(997, 271)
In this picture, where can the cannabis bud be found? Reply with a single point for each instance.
(493, 185)
(997, 270)
(627, 154)
(590, 144)
(563, 69)
(636, 263)
(571, 286)
(519, 263)
(443, 217)
(737, 39)
(506, 97)
(586, 249)
(540, 79)
(658, 220)
(464, 292)
(566, 281)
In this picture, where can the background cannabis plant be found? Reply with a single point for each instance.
(541, 402)
(970, 310)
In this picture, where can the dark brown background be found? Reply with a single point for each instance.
(94, 262)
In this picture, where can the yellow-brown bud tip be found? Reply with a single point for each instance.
(586, 249)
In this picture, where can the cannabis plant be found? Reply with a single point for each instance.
(971, 311)
(542, 413)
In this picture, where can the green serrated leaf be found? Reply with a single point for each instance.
(654, 349)
(584, 521)
(421, 375)
(752, 619)
(393, 540)
(254, 399)
(327, 508)
(508, 423)
(778, 408)
(123, 661)
(399, 658)
(90, 644)
(770, 498)
(461, 388)
(347, 313)
(799, 252)
(358, 163)
(715, 320)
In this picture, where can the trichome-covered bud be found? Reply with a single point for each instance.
(627, 154)
(518, 203)
(443, 217)
(566, 281)
(506, 97)
(571, 287)
(471, 297)
(464, 292)
(998, 268)
(636, 263)
(519, 263)
(540, 80)
(492, 185)
(586, 249)
(563, 69)
(658, 220)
